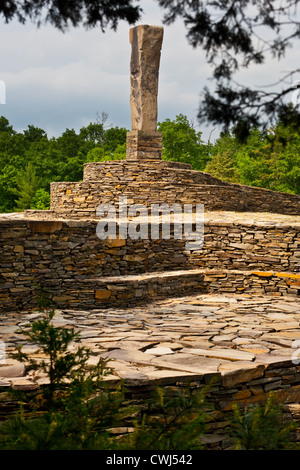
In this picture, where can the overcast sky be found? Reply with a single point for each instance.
(60, 80)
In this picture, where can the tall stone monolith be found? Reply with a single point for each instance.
(144, 142)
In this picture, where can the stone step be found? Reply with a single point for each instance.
(140, 170)
(144, 288)
(126, 291)
(76, 197)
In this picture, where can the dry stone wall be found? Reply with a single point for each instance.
(161, 182)
(66, 258)
(249, 244)
(243, 387)
(128, 171)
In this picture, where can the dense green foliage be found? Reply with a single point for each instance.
(89, 13)
(182, 143)
(262, 427)
(30, 161)
(268, 159)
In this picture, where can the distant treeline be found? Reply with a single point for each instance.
(30, 160)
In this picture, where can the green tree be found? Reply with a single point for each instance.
(26, 185)
(5, 126)
(41, 200)
(262, 427)
(222, 166)
(92, 133)
(90, 13)
(70, 152)
(114, 137)
(62, 364)
(175, 422)
(182, 143)
(98, 154)
(271, 159)
(8, 177)
(119, 152)
(34, 134)
(268, 159)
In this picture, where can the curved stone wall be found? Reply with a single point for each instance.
(124, 171)
(161, 182)
(88, 195)
(68, 259)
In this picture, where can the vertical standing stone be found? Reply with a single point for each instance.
(144, 142)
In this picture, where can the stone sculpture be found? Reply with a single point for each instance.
(144, 142)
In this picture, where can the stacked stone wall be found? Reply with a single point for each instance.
(249, 245)
(68, 260)
(161, 182)
(247, 385)
(127, 171)
(243, 387)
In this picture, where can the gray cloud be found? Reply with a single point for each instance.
(57, 81)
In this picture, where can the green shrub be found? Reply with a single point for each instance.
(262, 427)
(76, 410)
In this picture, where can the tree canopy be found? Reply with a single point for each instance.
(30, 160)
(267, 158)
(182, 143)
(65, 13)
(236, 34)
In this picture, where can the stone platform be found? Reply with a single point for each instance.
(236, 337)
(245, 343)
(163, 314)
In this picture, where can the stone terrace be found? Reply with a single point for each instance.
(242, 252)
(152, 182)
(244, 342)
(232, 315)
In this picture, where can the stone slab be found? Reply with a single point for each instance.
(128, 336)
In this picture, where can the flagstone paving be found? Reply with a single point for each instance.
(175, 339)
